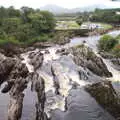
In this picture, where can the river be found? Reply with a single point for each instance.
(81, 105)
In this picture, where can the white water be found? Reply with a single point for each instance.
(27, 61)
(67, 74)
(115, 73)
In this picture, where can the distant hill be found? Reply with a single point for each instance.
(55, 9)
(58, 10)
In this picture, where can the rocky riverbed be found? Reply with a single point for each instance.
(59, 83)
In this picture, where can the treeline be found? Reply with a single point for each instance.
(111, 16)
(25, 25)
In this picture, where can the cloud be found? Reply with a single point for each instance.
(63, 3)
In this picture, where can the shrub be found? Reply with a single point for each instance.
(107, 42)
(116, 50)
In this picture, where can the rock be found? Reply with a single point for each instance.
(47, 52)
(6, 66)
(39, 87)
(62, 51)
(85, 57)
(36, 59)
(105, 95)
(62, 37)
(116, 62)
(106, 55)
(10, 50)
(15, 107)
(42, 44)
(15, 73)
(7, 87)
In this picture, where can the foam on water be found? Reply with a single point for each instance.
(115, 73)
(51, 55)
(49, 85)
(27, 61)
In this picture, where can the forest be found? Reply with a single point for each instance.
(25, 26)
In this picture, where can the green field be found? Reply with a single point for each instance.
(64, 25)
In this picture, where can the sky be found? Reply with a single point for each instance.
(62, 3)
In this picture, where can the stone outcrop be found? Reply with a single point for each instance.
(106, 96)
(15, 73)
(36, 59)
(39, 87)
(85, 57)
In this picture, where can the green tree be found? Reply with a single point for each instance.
(107, 42)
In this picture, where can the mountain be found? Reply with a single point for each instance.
(58, 10)
(55, 9)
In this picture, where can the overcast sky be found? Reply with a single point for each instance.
(63, 3)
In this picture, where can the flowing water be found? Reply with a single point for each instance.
(81, 106)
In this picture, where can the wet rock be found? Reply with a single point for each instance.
(15, 73)
(116, 62)
(15, 107)
(106, 96)
(106, 55)
(19, 70)
(16, 98)
(47, 52)
(62, 51)
(36, 59)
(6, 66)
(85, 57)
(7, 87)
(39, 87)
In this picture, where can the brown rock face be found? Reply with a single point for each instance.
(85, 57)
(106, 95)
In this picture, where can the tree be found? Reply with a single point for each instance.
(107, 42)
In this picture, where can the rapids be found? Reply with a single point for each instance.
(80, 105)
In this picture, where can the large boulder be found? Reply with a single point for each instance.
(106, 95)
(6, 66)
(85, 57)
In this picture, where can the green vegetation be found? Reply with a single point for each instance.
(107, 42)
(106, 16)
(110, 44)
(25, 26)
(66, 25)
(110, 16)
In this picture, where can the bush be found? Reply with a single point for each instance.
(107, 42)
(10, 40)
(116, 50)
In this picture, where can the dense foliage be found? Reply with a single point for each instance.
(24, 26)
(111, 16)
(106, 15)
(110, 44)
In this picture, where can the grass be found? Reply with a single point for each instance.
(65, 18)
(64, 25)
